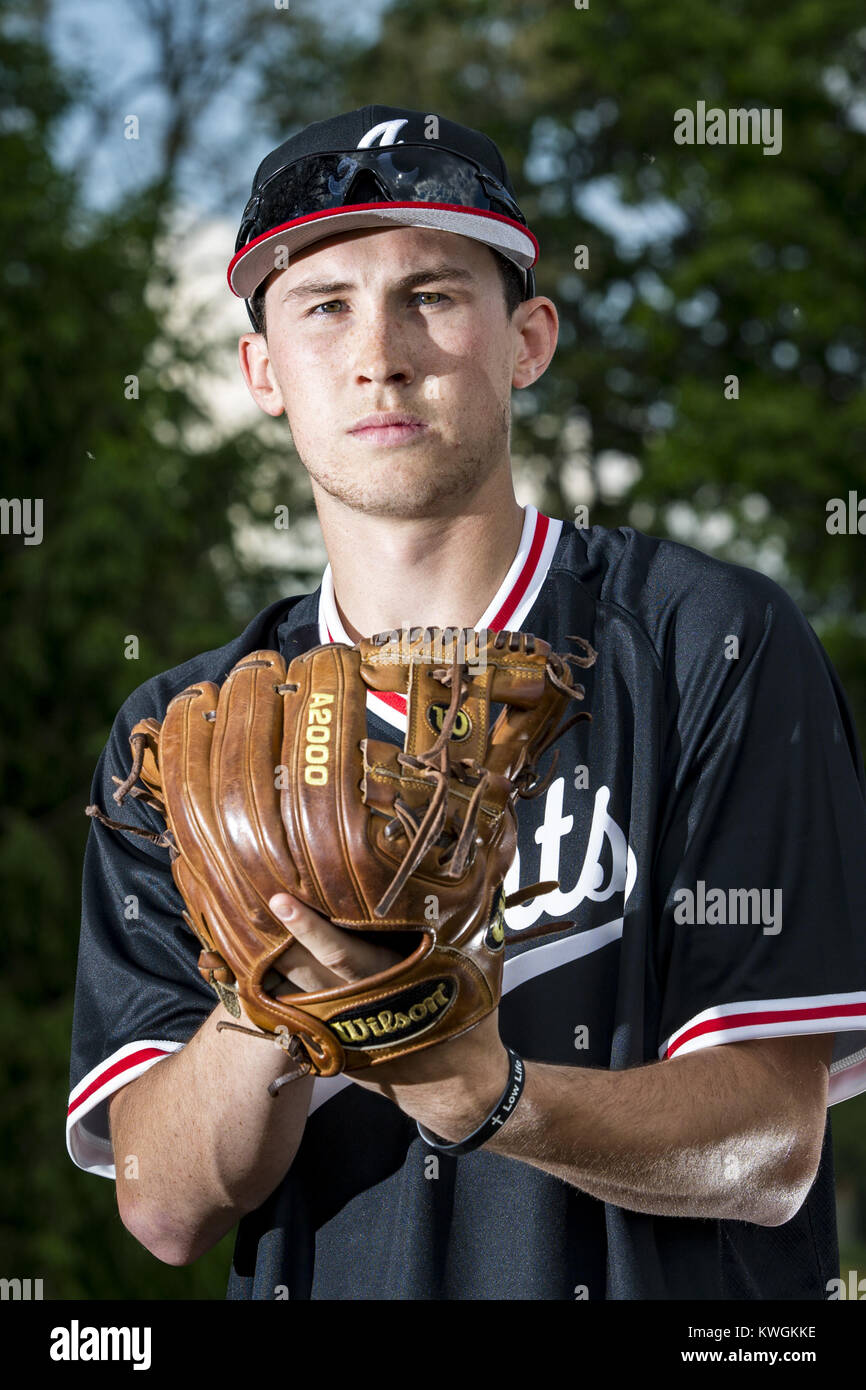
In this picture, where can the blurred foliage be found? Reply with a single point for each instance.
(740, 263)
(133, 529)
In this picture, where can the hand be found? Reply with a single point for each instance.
(450, 1087)
(323, 956)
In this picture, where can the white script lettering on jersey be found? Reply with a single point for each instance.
(385, 133)
(590, 883)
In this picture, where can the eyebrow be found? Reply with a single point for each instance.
(433, 274)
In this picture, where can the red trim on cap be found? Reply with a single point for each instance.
(365, 207)
(133, 1060)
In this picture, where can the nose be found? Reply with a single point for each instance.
(380, 347)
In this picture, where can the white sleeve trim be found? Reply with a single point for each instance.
(86, 1144)
(779, 1018)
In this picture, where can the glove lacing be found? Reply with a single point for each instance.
(125, 788)
(434, 764)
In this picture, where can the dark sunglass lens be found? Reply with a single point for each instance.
(409, 173)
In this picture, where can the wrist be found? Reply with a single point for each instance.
(482, 1100)
(455, 1122)
(275, 1054)
(492, 1123)
(456, 1106)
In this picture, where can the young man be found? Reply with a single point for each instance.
(683, 1041)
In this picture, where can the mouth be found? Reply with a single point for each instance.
(388, 429)
(388, 434)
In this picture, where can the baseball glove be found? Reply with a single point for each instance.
(270, 784)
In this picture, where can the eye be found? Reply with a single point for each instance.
(436, 295)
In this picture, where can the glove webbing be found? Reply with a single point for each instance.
(435, 764)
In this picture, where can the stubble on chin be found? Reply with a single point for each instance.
(414, 485)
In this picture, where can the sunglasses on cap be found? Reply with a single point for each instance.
(397, 173)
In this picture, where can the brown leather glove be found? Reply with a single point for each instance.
(270, 784)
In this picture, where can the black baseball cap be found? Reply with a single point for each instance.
(378, 166)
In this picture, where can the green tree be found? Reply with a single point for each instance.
(136, 542)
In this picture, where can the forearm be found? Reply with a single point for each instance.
(680, 1138)
(198, 1140)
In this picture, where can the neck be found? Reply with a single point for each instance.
(433, 571)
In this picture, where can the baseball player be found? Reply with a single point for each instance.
(682, 1041)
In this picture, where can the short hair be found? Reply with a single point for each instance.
(513, 286)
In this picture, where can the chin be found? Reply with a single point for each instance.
(387, 489)
(399, 504)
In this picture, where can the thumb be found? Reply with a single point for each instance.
(284, 906)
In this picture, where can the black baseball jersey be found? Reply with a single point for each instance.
(708, 833)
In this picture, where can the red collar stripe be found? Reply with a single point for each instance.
(542, 525)
(397, 702)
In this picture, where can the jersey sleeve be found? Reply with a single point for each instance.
(761, 860)
(138, 994)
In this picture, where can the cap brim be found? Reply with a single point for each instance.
(254, 262)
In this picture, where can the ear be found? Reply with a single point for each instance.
(255, 364)
(537, 327)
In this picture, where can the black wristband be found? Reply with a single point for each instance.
(495, 1120)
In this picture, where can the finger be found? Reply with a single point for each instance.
(291, 958)
(337, 950)
(319, 941)
(313, 979)
(296, 957)
(303, 973)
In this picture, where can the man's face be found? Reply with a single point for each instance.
(405, 320)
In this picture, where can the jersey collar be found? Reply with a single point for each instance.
(508, 608)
